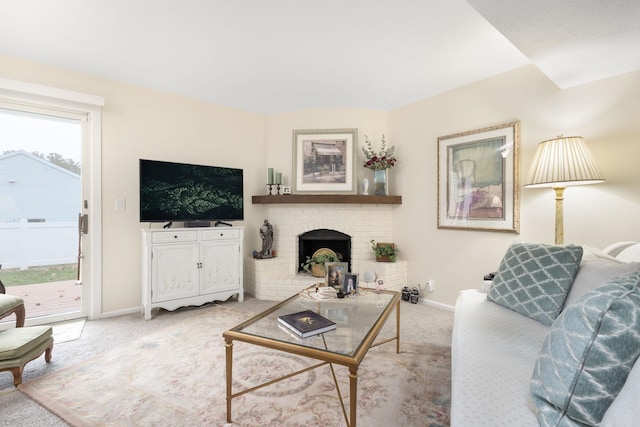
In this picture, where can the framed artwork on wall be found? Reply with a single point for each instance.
(479, 179)
(324, 160)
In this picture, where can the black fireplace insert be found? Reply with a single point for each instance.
(313, 240)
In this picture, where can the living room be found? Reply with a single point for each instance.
(142, 122)
(603, 112)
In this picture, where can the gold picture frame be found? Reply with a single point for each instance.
(334, 273)
(479, 179)
(324, 161)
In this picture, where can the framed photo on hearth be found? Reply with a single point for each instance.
(334, 273)
(478, 179)
(324, 161)
(350, 284)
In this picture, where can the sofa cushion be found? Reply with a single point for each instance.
(534, 279)
(493, 352)
(587, 355)
(594, 272)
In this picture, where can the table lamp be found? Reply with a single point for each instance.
(560, 163)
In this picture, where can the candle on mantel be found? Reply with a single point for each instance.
(270, 176)
(278, 178)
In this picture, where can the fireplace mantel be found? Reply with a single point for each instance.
(327, 199)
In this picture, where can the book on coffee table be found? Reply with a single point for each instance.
(307, 323)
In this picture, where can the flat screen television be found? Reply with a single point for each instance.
(190, 193)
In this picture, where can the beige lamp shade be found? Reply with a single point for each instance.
(560, 163)
(563, 162)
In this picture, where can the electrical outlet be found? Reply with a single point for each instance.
(431, 285)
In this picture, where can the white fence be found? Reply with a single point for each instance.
(30, 244)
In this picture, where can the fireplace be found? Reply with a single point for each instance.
(352, 225)
(313, 240)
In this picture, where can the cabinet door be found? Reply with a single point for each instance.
(174, 271)
(220, 266)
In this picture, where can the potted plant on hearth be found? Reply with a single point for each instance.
(315, 263)
(385, 252)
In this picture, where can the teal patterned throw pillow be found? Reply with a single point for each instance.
(534, 279)
(588, 354)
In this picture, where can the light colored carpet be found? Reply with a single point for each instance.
(175, 376)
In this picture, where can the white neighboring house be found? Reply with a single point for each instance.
(39, 206)
(34, 189)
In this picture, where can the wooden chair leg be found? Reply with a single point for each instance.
(20, 315)
(17, 375)
(47, 353)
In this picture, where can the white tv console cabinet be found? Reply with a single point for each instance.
(190, 266)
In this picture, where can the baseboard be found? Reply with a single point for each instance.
(131, 310)
(438, 305)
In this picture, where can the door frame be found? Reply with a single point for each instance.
(91, 105)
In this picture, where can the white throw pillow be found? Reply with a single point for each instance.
(595, 253)
(594, 272)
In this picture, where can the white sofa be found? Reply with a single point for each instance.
(495, 349)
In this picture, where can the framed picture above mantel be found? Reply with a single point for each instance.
(478, 179)
(323, 161)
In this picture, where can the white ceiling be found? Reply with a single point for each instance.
(284, 55)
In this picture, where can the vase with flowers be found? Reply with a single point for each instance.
(380, 162)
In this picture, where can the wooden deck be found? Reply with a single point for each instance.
(44, 299)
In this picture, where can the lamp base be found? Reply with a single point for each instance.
(559, 215)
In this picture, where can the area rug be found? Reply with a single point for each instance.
(176, 377)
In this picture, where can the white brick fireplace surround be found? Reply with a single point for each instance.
(278, 278)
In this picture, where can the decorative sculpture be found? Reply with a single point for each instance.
(266, 234)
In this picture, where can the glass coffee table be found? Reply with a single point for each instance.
(359, 320)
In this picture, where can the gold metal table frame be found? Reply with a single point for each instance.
(346, 345)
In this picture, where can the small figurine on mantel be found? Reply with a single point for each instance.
(365, 186)
(266, 234)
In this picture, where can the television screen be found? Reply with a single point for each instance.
(185, 192)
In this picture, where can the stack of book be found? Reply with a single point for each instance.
(306, 323)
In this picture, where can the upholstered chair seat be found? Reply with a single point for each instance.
(18, 346)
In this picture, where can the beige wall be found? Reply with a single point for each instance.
(138, 122)
(372, 123)
(142, 123)
(605, 113)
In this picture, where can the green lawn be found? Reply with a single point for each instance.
(45, 274)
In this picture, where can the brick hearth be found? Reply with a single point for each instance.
(277, 278)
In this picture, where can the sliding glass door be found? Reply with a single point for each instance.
(41, 199)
